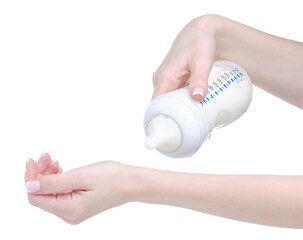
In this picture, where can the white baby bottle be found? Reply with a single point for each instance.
(177, 125)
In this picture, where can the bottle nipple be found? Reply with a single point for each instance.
(163, 134)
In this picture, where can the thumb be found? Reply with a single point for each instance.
(61, 183)
(31, 172)
(198, 84)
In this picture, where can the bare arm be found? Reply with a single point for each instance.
(268, 200)
(81, 193)
(273, 63)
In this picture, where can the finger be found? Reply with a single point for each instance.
(200, 67)
(169, 79)
(63, 182)
(31, 172)
(55, 204)
(53, 168)
(164, 88)
(163, 83)
(64, 206)
(43, 162)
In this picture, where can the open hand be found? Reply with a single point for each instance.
(78, 194)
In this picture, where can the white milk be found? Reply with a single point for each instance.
(177, 125)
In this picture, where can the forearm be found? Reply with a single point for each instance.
(268, 200)
(273, 63)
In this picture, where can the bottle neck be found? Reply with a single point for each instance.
(164, 134)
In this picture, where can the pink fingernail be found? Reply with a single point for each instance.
(32, 186)
(52, 162)
(27, 160)
(42, 155)
(198, 91)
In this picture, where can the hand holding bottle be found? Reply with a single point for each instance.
(190, 57)
(271, 200)
(273, 63)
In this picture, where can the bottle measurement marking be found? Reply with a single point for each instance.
(218, 86)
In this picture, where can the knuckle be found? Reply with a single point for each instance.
(160, 76)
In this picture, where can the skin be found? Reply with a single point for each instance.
(84, 192)
(273, 63)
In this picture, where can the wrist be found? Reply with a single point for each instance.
(140, 184)
(156, 186)
(213, 25)
(132, 184)
(228, 35)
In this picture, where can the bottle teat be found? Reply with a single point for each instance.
(163, 134)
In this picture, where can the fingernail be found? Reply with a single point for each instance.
(42, 155)
(27, 160)
(198, 91)
(32, 186)
(52, 162)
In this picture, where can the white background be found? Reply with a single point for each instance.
(75, 81)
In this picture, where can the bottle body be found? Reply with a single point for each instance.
(229, 95)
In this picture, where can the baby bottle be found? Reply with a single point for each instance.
(176, 125)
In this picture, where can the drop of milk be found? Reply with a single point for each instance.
(163, 134)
